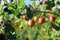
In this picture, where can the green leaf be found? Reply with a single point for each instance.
(55, 1)
(43, 7)
(22, 3)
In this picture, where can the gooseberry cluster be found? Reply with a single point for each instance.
(41, 20)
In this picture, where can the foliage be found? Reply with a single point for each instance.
(15, 27)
